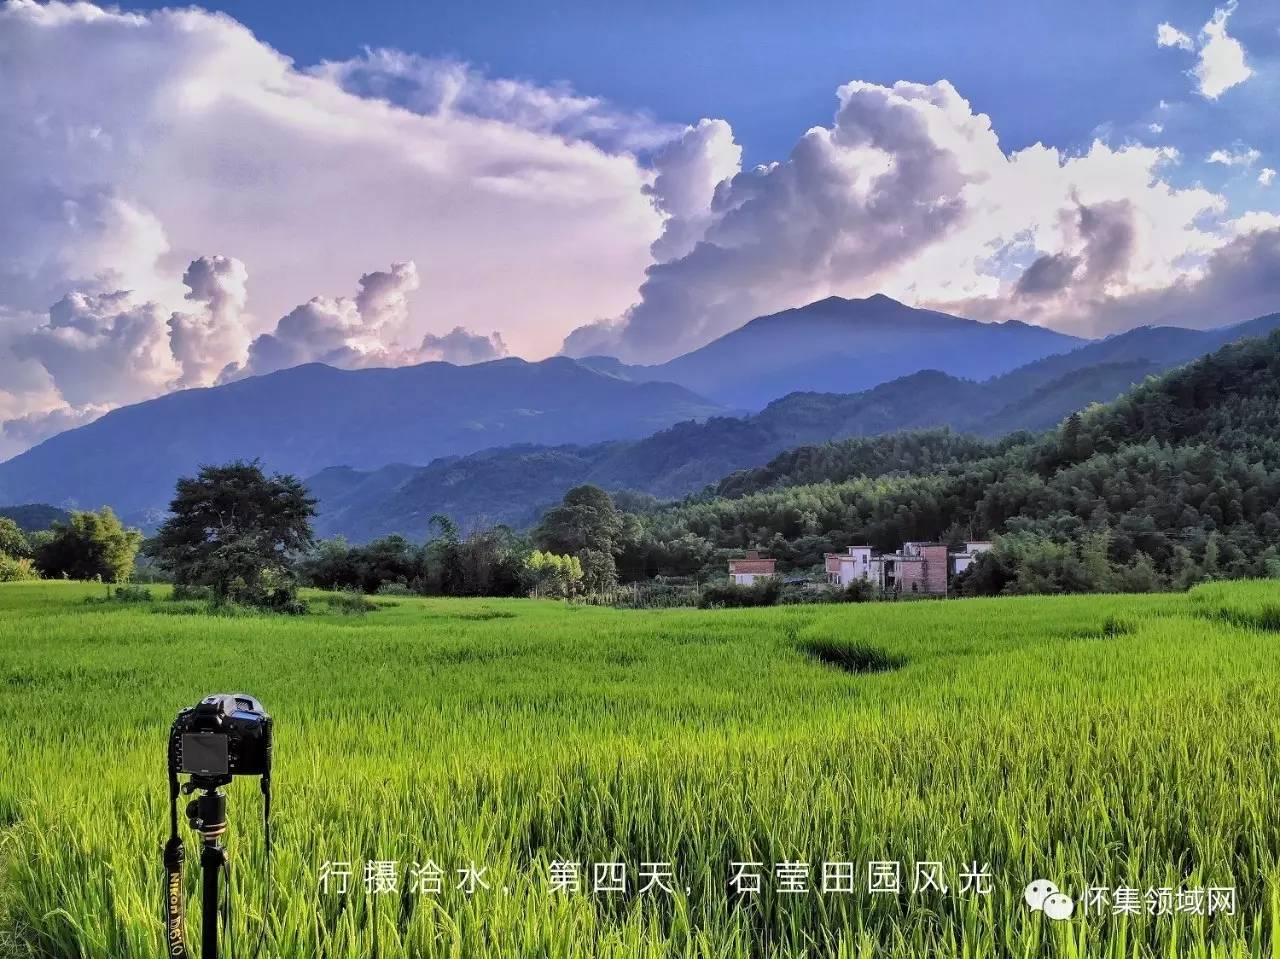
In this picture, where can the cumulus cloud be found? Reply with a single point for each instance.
(97, 351)
(462, 347)
(537, 204)
(1239, 281)
(105, 348)
(341, 331)
(885, 180)
(689, 168)
(1102, 237)
(1266, 176)
(909, 192)
(1167, 35)
(33, 428)
(1220, 57)
(1239, 156)
(135, 143)
(362, 331)
(207, 342)
(1222, 63)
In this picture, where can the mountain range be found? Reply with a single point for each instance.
(514, 485)
(839, 345)
(304, 419)
(1174, 482)
(502, 440)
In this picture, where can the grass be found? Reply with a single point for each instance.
(1100, 740)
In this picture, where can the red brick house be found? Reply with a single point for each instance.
(749, 569)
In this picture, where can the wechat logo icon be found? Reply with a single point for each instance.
(1044, 896)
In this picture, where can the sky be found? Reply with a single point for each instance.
(200, 194)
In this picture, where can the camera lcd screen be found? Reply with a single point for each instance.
(205, 754)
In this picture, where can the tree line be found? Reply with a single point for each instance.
(1175, 482)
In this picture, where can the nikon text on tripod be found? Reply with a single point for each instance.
(223, 736)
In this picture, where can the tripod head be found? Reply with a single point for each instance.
(207, 814)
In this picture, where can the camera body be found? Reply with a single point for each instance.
(223, 735)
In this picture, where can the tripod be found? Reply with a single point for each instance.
(207, 815)
(223, 736)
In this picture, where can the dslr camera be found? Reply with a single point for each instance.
(223, 735)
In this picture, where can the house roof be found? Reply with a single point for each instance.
(765, 566)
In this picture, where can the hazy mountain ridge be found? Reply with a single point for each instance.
(305, 419)
(515, 485)
(504, 439)
(842, 345)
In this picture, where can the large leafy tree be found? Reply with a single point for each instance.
(237, 531)
(89, 546)
(586, 525)
(13, 542)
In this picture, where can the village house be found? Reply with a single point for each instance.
(745, 571)
(915, 568)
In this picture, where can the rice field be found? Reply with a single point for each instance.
(1120, 744)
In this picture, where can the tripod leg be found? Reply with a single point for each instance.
(211, 809)
(212, 860)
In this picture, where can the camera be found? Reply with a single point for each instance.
(223, 735)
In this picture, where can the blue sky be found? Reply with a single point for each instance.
(196, 194)
(1060, 73)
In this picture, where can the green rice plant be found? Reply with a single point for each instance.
(1096, 741)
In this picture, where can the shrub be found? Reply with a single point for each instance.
(350, 603)
(16, 569)
(183, 592)
(394, 589)
(122, 594)
(89, 546)
(860, 591)
(763, 593)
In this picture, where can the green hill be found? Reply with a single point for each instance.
(514, 485)
(33, 517)
(1178, 480)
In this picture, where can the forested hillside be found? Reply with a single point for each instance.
(1176, 481)
(514, 485)
(308, 418)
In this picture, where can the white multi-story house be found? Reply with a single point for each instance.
(962, 561)
(915, 568)
(858, 563)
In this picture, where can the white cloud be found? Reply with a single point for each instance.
(31, 428)
(462, 347)
(356, 332)
(1222, 64)
(136, 143)
(1220, 57)
(1240, 156)
(450, 88)
(103, 349)
(207, 342)
(688, 170)
(1155, 127)
(909, 192)
(1168, 35)
(1266, 176)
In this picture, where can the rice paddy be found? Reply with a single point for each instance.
(483, 748)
